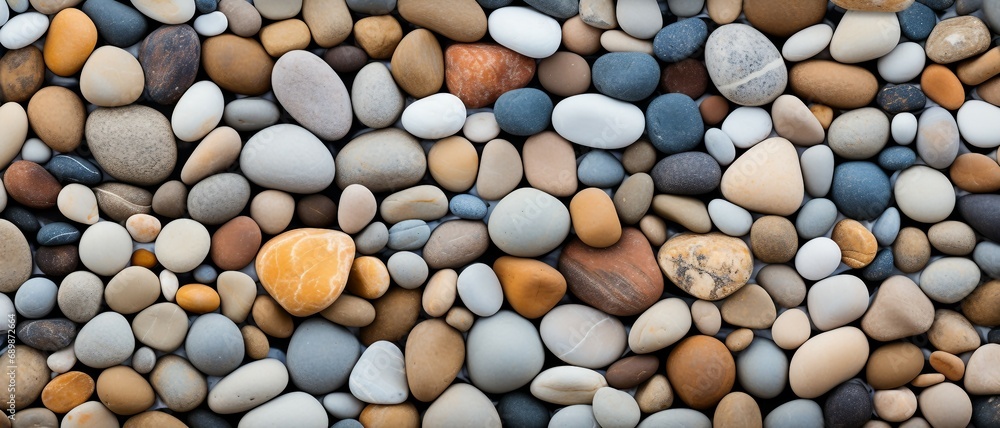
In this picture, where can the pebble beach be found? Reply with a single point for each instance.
(500, 213)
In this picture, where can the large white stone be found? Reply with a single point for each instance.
(863, 36)
(434, 117)
(287, 157)
(525, 31)
(598, 121)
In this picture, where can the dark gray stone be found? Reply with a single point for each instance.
(691, 173)
(47, 335)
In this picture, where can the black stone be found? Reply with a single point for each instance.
(900, 98)
(994, 336)
(519, 409)
(691, 173)
(982, 212)
(119, 24)
(881, 267)
(346, 59)
(170, 57)
(57, 261)
(57, 233)
(22, 218)
(986, 411)
(848, 406)
(74, 169)
(47, 335)
(201, 418)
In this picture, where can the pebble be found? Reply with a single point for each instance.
(793, 121)
(945, 404)
(826, 360)
(815, 218)
(268, 160)
(747, 126)
(956, 39)
(294, 408)
(104, 341)
(800, 412)
(627, 76)
(762, 79)
(779, 192)
(924, 194)
(807, 43)
(917, 21)
(682, 131)
(904, 63)
(504, 353)
(817, 258)
(864, 35)
(680, 40)
(521, 409)
(50, 335)
(462, 404)
(214, 345)
(867, 205)
(833, 84)
(576, 119)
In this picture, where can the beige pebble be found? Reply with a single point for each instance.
(460, 318)
(739, 340)
(144, 228)
(550, 164)
(272, 210)
(500, 170)
(620, 41)
(952, 237)
(237, 292)
(350, 311)
(686, 211)
(791, 329)
(214, 154)
(655, 394)
(654, 228)
(895, 405)
(706, 316)
(952, 332)
(481, 127)
(454, 163)
(927, 379)
(78, 203)
(439, 294)
(581, 38)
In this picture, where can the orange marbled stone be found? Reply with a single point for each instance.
(478, 73)
(305, 270)
(66, 391)
(198, 298)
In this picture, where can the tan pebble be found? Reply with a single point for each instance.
(144, 228)
(824, 114)
(598, 14)
(737, 409)
(153, 419)
(833, 84)
(550, 164)
(791, 329)
(453, 163)
(951, 366)
(749, 307)
(57, 116)
(594, 218)
(124, 391)
(980, 307)
(390, 416)
(976, 173)
(945, 405)
(580, 38)
(654, 228)
(724, 11)
(911, 251)
(396, 313)
(689, 212)
(89, 414)
(773, 239)
(356, 209)
(170, 199)
(418, 63)
(214, 154)
(706, 316)
(244, 19)
(857, 244)
(238, 64)
(459, 20)
(895, 405)
(927, 379)
(285, 36)
(655, 394)
(564, 74)
(377, 35)
(952, 237)
(778, 192)
(952, 332)
(739, 340)
(425, 202)
(329, 21)
(941, 85)
(500, 170)
(894, 365)
(272, 210)
(435, 353)
(620, 41)
(66, 391)
(237, 292)
(350, 311)
(460, 318)
(271, 317)
(111, 77)
(35, 417)
(439, 294)
(531, 287)
(974, 71)
(633, 197)
(255, 342)
(639, 156)
(989, 91)
(369, 278)
(132, 290)
(957, 38)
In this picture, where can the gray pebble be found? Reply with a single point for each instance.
(407, 269)
(987, 256)
(143, 360)
(599, 168)
(720, 146)
(372, 239)
(469, 207)
(762, 369)
(80, 296)
(214, 345)
(321, 355)
(800, 413)
(348, 423)
(205, 274)
(372, 7)
(105, 341)
(816, 218)
(408, 235)
(219, 198)
(886, 227)
(36, 297)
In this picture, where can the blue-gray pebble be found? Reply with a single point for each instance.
(938, 5)
(795, 414)
(849, 405)
(36, 297)
(815, 218)
(320, 372)
(57, 233)
(881, 268)
(348, 423)
(494, 4)
(408, 235)
(993, 337)
(897, 158)
(205, 274)
(118, 24)
(917, 21)
(987, 257)
(762, 369)
(628, 76)
(982, 212)
(518, 409)
(886, 228)
(900, 98)
(73, 169)
(468, 207)
(523, 112)
(860, 189)
(204, 418)
(22, 218)
(680, 40)
(560, 9)
(674, 123)
(599, 168)
(214, 345)
(372, 7)
(206, 6)
(691, 173)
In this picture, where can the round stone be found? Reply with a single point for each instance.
(759, 75)
(214, 345)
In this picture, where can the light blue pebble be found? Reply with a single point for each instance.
(886, 227)
(205, 274)
(408, 235)
(36, 297)
(816, 218)
(799, 413)
(987, 256)
(720, 146)
(599, 168)
(468, 207)
(762, 369)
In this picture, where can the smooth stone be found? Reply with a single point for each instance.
(289, 158)
(627, 76)
(58, 117)
(170, 12)
(924, 194)
(615, 408)
(521, 409)
(567, 385)
(680, 40)
(837, 301)
(690, 173)
(677, 418)
(761, 75)
(586, 119)
(684, 128)
(712, 277)
(57, 233)
(849, 404)
(381, 160)
(218, 199)
(13, 139)
(31, 185)
(462, 404)
(379, 377)
(633, 198)
(897, 158)
(887, 227)
(211, 24)
(524, 111)
(937, 137)
(182, 245)
(105, 248)
(791, 329)
(214, 345)
(468, 207)
(864, 35)
(899, 309)
(133, 143)
(300, 80)
(781, 19)
(178, 384)
(49, 335)
(848, 180)
(237, 64)
(976, 123)
(120, 201)
(904, 63)
(428, 372)
(132, 290)
(730, 218)
(779, 192)
(294, 408)
(480, 290)
(526, 212)
(169, 74)
(807, 43)
(689, 212)
(833, 84)
(660, 326)
(978, 213)
(795, 122)
(504, 353)
(857, 244)
(216, 153)
(111, 78)
(525, 31)
(73, 169)
(408, 235)
(23, 29)
(198, 111)
(161, 326)
(949, 279)
(91, 412)
(859, 134)
(456, 244)
(602, 344)
(376, 100)
(118, 24)
(24, 70)
(826, 360)
(320, 373)
(904, 128)
(689, 374)
(290, 276)
(747, 126)
(795, 413)
(587, 269)
(815, 218)
(817, 258)
(250, 114)
(718, 144)
(901, 98)
(945, 404)
(500, 170)
(956, 39)
(952, 238)
(980, 375)
(917, 21)
(357, 208)
(104, 341)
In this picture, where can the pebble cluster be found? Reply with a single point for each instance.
(475, 213)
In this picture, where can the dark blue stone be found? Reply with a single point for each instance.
(494, 4)
(986, 410)
(881, 267)
(917, 21)
(206, 6)
(525, 111)
(22, 218)
(680, 40)
(628, 76)
(982, 212)
(73, 169)
(599, 168)
(519, 409)
(691, 173)
(861, 190)
(560, 9)
(849, 405)
(119, 24)
(938, 5)
(897, 158)
(468, 207)
(674, 123)
(58, 233)
(900, 98)
(372, 7)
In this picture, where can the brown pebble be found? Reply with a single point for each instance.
(564, 74)
(739, 340)
(285, 36)
(255, 342)
(316, 211)
(782, 18)
(61, 260)
(912, 250)
(418, 64)
(346, 59)
(773, 239)
(66, 391)
(655, 394)
(974, 71)
(22, 72)
(350, 311)
(460, 318)
(170, 200)
(631, 371)
(701, 370)
(639, 156)
(857, 244)
(390, 416)
(396, 313)
(271, 318)
(153, 419)
(378, 35)
(823, 114)
(57, 115)
(143, 257)
(950, 365)
(893, 365)
(124, 391)
(580, 38)
(237, 64)
(119, 201)
(942, 86)
(837, 85)
(989, 91)
(976, 173)
(235, 243)
(31, 185)
(927, 379)
(688, 77)
(713, 109)
(654, 228)
(479, 73)
(980, 307)
(531, 287)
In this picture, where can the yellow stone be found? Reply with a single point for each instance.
(71, 39)
(305, 270)
(369, 278)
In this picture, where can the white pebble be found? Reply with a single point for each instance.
(62, 360)
(481, 127)
(979, 124)
(480, 290)
(23, 30)
(807, 42)
(36, 151)
(525, 31)
(169, 284)
(78, 203)
(730, 218)
(903, 64)
(817, 170)
(817, 259)
(904, 128)
(343, 405)
(434, 117)
(211, 24)
(747, 126)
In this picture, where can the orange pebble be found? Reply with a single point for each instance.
(66, 391)
(198, 298)
(942, 86)
(143, 257)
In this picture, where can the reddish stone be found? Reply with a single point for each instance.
(235, 244)
(688, 77)
(479, 73)
(631, 371)
(622, 279)
(702, 371)
(31, 185)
